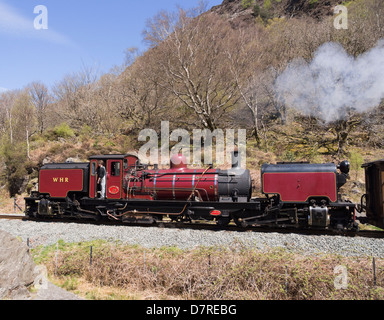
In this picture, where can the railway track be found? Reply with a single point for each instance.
(12, 217)
(212, 227)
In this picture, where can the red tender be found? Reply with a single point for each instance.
(300, 186)
(58, 182)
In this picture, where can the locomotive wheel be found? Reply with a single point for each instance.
(174, 218)
(223, 222)
(240, 223)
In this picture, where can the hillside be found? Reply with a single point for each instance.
(243, 12)
(239, 65)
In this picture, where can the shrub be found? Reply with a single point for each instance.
(61, 131)
(246, 3)
(256, 10)
(265, 15)
(267, 4)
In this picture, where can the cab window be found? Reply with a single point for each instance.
(93, 169)
(115, 169)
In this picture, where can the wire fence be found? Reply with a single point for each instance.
(214, 275)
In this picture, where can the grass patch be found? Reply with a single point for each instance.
(133, 272)
(369, 227)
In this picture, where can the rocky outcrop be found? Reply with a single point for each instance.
(241, 15)
(19, 274)
(17, 268)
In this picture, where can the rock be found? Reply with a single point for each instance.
(72, 160)
(17, 268)
(19, 273)
(46, 160)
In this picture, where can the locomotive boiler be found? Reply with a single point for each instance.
(295, 194)
(178, 183)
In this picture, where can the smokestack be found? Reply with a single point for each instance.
(236, 159)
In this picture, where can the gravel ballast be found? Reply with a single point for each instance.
(43, 233)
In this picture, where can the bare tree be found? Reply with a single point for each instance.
(75, 98)
(105, 103)
(24, 117)
(7, 102)
(41, 99)
(140, 96)
(342, 128)
(131, 54)
(365, 26)
(193, 61)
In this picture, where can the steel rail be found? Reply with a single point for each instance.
(12, 217)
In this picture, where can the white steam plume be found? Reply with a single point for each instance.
(333, 82)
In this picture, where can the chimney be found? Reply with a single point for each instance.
(236, 159)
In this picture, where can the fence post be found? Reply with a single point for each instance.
(374, 271)
(57, 253)
(144, 260)
(90, 256)
(286, 279)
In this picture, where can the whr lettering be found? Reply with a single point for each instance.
(60, 180)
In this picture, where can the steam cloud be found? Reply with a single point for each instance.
(334, 82)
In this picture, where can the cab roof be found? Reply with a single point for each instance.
(111, 156)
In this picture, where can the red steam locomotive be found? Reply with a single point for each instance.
(296, 194)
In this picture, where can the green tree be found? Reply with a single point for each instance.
(15, 161)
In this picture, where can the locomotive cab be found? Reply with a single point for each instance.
(117, 166)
